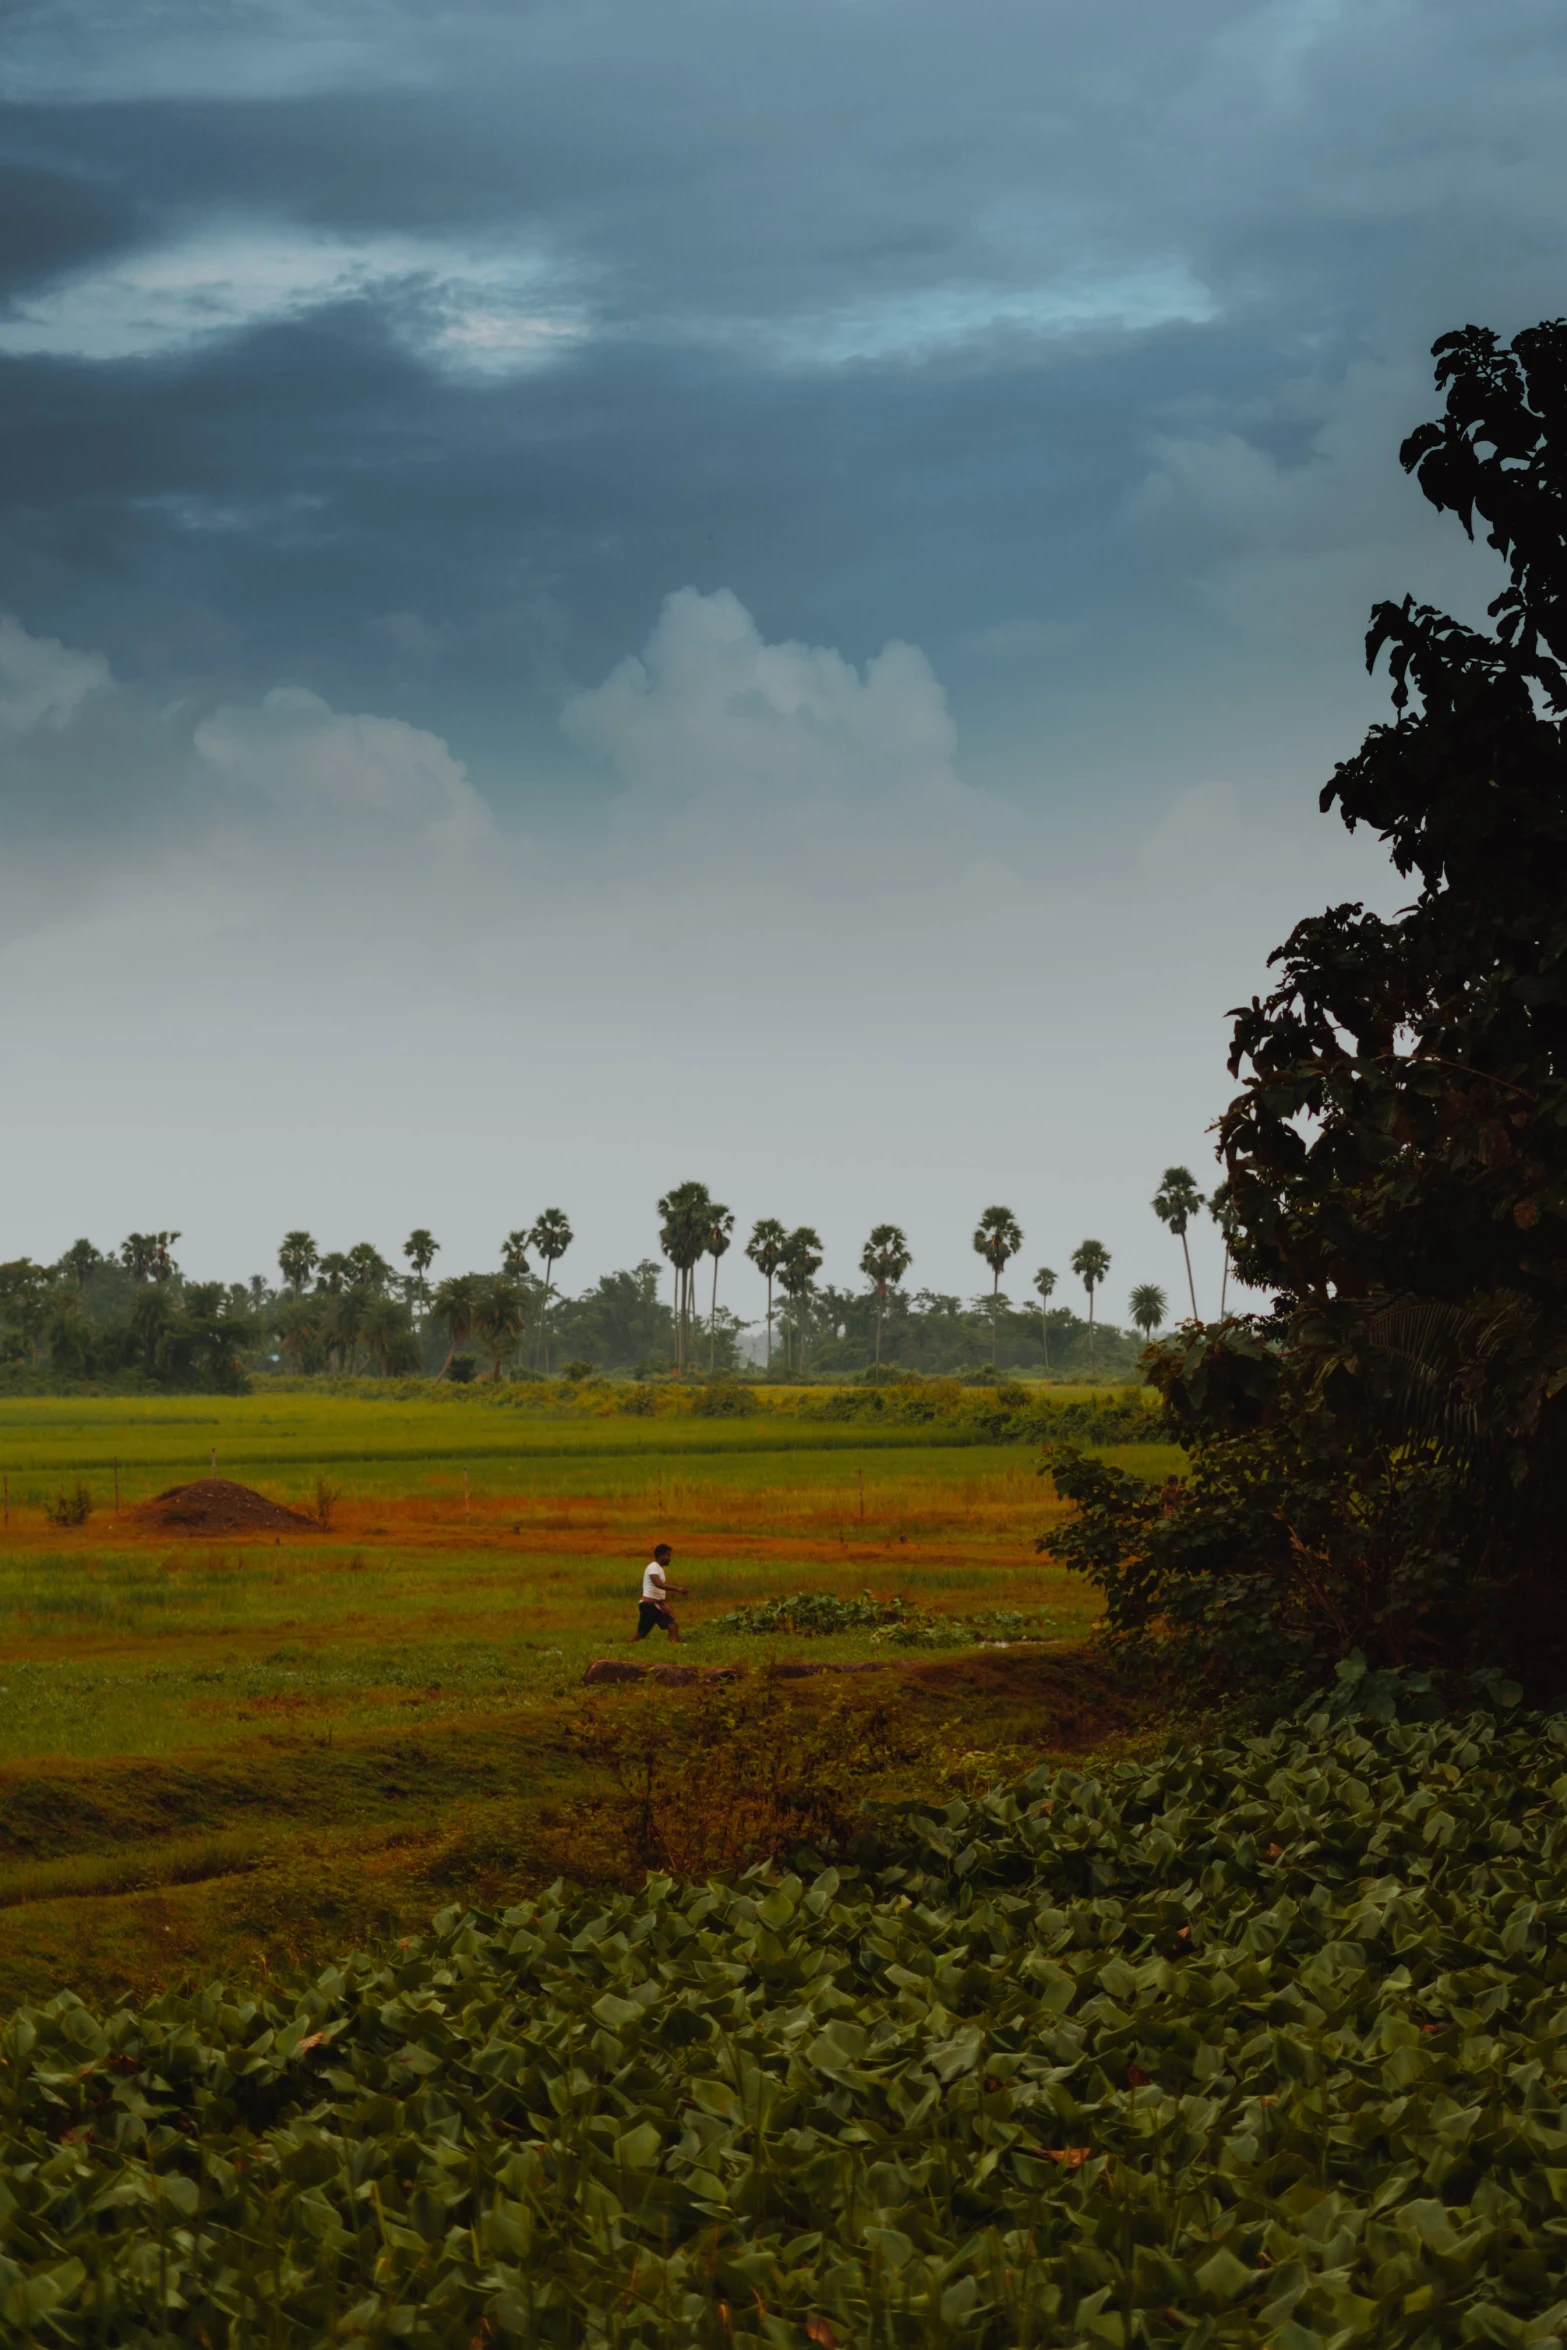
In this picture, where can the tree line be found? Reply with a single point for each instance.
(130, 1313)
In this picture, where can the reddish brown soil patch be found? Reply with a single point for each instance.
(216, 1505)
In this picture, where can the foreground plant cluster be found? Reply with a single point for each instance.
(903, 1622)
(1258, 2044)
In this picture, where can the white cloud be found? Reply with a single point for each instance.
(711, 709)
(304, 760)
(468, 312)
(42, 682)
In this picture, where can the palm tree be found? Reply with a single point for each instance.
(333, 1272)
(765, 1248)
(682, 1235)
(455, 1303)
(1222, 1209)
(514, 1256)
(83, 1260)
(1175, 1203)
(551, 1236)
(1149, 1307)
(997, 1239)
(297, 1259)
(802, 1259)
(367, 1268)
(1044, 1283)
(500, 1315)
(720, 1227)
(1091, 1262)
(421, 1248)
(884, 1260)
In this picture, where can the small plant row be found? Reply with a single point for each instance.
(818, 1614)
(1260, 2044)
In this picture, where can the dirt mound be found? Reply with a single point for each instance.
(216, 1505)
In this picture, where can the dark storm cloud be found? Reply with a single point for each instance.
(374, 373)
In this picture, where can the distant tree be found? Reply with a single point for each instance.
(1149, 1307)
(802, 1261)
(421, 1249)
(257, 1295)
(997, 1238)
(884, 1260)
(720, 1227)
(1091, 1262)
(500, 1316)
(145, 1255)
(514, 1256)
(682, 1235)
(454, 1305)
(82, 1260)
(1221, 1207)
(551, 1236)
(333, 1272)
(367, 1268)
(1175, 1203)
(297, 1259)
(765, 1248)
(1045, 1284)
(387, 1331)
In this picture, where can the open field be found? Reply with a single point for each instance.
(231, 1755)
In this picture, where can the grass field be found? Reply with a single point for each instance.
(230, 1756)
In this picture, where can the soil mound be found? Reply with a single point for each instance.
(216, 1505)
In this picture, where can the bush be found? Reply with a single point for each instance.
(70, 1509)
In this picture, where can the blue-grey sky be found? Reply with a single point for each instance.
(758, 589)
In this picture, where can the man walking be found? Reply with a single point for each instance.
(657, 1592)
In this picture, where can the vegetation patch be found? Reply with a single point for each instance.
(1259, 2043)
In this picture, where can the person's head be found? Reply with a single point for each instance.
(663, 1553)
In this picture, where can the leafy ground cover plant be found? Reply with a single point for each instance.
(903, 1622)
(1259, 2043)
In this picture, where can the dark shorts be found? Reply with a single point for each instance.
(649, 1613)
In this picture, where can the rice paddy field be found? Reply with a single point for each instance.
(239, 1755)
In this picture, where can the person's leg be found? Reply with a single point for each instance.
(670, 1626)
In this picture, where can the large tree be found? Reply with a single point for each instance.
(884, 1260)
(1381, 1461)
(997, 1238)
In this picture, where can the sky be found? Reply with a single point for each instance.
(758, 590)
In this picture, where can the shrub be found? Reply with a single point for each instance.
(70, 1509)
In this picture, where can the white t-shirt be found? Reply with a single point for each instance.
(653, 1584)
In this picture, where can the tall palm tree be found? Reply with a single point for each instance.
(297, 1259)
(500, 1315)
(720, 1229)
(421, 1249)
(884, 1260)
(514, 1256)
(802, 1260)
(367, 1268)
(1045, 1283)
(333, 1272)
(997, 1238)
(1091, 1262)
(551, 1236)
(682, 1235)
(1149, 1306)
(83, 1260)
(765, 1248)
(1221, 1207)
(455, 1304)
(1175, 1203)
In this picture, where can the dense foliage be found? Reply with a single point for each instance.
(1382, 1461)
(1262, 2044)
(903, 1622)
